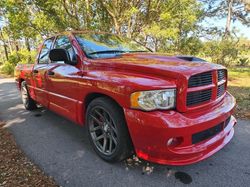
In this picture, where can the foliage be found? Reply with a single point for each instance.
(175, 25)
(14, 58)
(26, 57)
(22, 57)
(243, 61)
(169, 26)
(222, 52)
(7, 68)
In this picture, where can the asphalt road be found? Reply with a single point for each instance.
(62, 150)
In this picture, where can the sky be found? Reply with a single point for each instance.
(242, 29)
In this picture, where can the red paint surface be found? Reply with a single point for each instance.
(67, 90)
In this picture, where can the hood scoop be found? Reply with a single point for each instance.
(190, 58)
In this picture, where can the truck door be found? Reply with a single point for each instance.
(38, 81)
(62, 82)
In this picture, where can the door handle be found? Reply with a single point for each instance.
(35, 71)
(50, 73)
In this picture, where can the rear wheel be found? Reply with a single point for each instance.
(28, 102)
(107, 130)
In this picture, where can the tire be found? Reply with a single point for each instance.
(28, 102)
(105, 120)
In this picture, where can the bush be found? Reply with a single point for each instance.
(8, 68)
(21, 57)
(14, 58)
(223, 52)
(243, 61)
(26, 57)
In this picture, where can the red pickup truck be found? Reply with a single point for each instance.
(169, 110)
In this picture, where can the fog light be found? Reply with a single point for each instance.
(174, 141)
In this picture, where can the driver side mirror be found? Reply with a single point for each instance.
(61, 55)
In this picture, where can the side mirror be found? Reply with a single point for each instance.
(61, 55)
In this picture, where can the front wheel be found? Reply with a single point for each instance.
(28, 102)
(107, 130)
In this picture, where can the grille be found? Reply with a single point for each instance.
(220, 90)
(221, 74)
(201, 79)
(198, 97)
(203, 135)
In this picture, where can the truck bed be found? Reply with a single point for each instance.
(23, 71)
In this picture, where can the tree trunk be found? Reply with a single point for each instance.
(87, 14)
(5, 51)
(27, 44)
(5, 46)
(156, 45)
(16, 45)
(117, 26)
(129, 28)
(10, 45)
(113, 15)
(148, 11)
(229, 17)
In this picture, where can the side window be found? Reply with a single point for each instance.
(44, 54)
(63, 42)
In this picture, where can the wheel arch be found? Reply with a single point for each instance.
(91, 96)
(20, 83)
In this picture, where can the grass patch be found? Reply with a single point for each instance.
(239, 87)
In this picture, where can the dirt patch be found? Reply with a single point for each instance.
(5, 76)
(15, 168)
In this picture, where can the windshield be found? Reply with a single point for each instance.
(96, 45)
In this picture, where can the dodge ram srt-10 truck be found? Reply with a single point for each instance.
(172, 110)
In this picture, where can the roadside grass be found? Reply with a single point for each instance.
(239, 87)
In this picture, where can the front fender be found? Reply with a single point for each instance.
(119, 85)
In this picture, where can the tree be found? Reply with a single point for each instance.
(2, 38)
(123, 13)
(232, 10)
(172, 26)
(175, 24)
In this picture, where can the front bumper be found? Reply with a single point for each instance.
(150, 132)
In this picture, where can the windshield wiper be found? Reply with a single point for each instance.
(107, 51)
(116, 51)
(138, 51)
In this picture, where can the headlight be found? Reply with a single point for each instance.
(152, 100)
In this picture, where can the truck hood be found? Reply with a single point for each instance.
(159, 64)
